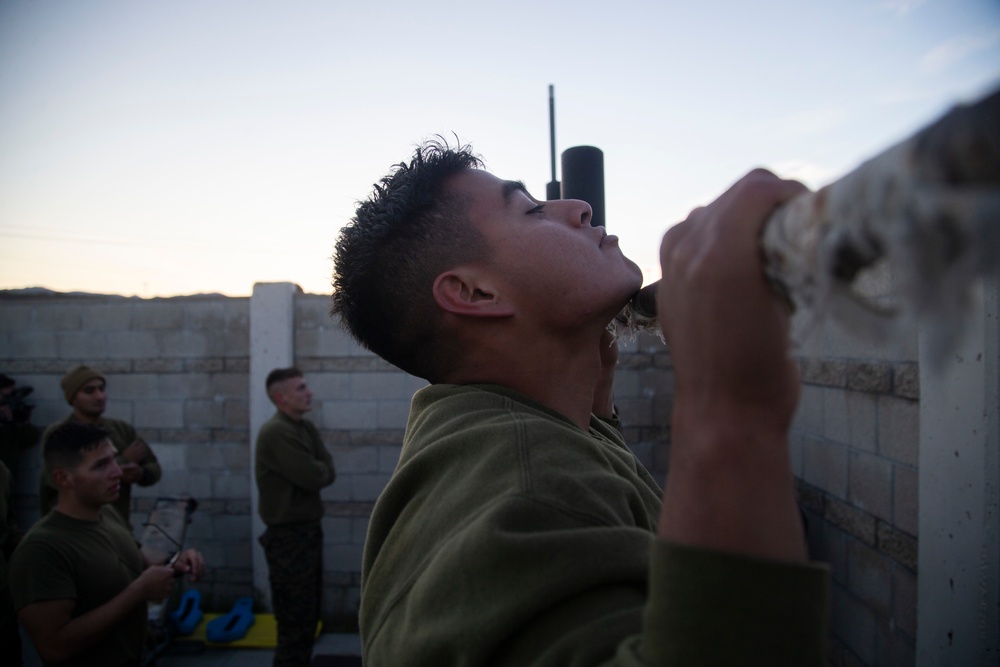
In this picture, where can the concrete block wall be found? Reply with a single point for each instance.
(855, 446)
(178, 369)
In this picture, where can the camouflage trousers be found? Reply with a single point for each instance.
(295, 569)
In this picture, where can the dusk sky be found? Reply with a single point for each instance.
(162, 148)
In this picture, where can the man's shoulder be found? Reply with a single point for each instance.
(53, 426)
(46, 536)
(276, 429)
(113, 424)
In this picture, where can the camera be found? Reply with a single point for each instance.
(20, 407)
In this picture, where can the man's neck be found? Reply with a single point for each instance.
(558, 374)
(70, 507)
(294, 415)
(85, 418)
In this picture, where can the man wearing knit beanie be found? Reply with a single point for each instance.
(85, 390)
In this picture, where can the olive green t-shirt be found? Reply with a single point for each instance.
(87, 561)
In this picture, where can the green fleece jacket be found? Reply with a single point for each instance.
(509, 537)
(291, 465)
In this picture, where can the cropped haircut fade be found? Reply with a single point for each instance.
(67, 444)
(386, 259)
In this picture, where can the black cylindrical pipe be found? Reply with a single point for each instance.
(583, 178)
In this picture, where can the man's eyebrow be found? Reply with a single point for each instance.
(512, 187)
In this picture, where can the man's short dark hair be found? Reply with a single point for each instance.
(67, 443)
(386, 259)
(280, 375)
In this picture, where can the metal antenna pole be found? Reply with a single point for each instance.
(552, 189)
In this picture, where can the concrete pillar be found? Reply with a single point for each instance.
(958, 589)
(272, 345)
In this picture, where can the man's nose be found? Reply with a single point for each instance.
(116, 470)
(578, 212)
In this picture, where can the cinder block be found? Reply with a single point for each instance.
(870, 486)
(906, 381)
(63, 317)
(184, 385)
(230, 385)
(158, 365)
(905, 499)
(33, 344)
(327, 341)
(134, 386)
(205, 365)
(132, 345)
(823, 372)
(359, 529)
(188, 343)
(159, 314)
(238, 555)
(809, 415)
(342, 557)
(203, 413)
(904, 601)
(355, 459)
(627, 384)
(388, 458)
(209, 314)
(329, 386)
(237, 313)
(899, 430)
(350, 415)
(366, 488)
(852, 520)
(311, 312)
(854, 624)
(231, 528)
(869, 377)
(636, 412)
(173, 458)
(377, 386)
(82, 344)
(236, 413)
(897, 545)
(825, 465)
(337, 530)
(869, 577)
(198, 485)
(849, 417)
(109, 316)
(235, 342)
(393, 414)
(17, 317)
(158, 414)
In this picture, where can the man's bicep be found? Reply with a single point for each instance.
(43, 620)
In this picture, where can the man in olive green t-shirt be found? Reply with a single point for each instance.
(78, 580)
(291, 466)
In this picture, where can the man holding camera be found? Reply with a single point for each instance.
(17, 433)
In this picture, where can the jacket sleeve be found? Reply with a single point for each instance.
(281, 451)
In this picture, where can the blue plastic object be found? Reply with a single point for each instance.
(232, 626)
(188, 614)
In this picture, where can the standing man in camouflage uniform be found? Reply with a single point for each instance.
(292, 466)
(86, 391)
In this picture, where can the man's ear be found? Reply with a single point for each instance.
(63, 478)
(464, 291)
